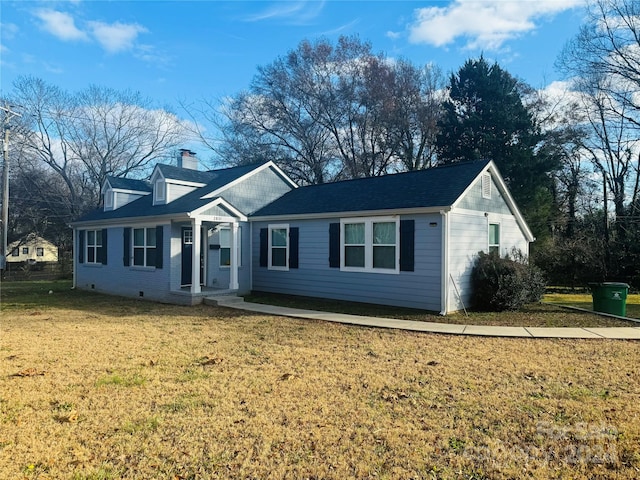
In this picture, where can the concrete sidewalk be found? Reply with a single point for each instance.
(623, 333)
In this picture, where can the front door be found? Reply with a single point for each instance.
(187, 255)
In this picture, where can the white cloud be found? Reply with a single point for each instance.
(60, 25)
(299, 12)
(112, 37)
(116, 37)
(486, 24)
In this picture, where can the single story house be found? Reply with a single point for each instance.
(33, 249)
(407, 239)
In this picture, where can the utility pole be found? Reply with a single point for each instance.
(9, 114)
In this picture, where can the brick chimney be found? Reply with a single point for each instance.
(187, 159)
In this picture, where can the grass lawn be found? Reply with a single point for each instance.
(100, 387)
(585, 301)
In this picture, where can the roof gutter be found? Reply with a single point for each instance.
(129, 220)
(350, 213)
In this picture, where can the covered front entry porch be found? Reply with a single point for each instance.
(207, 256)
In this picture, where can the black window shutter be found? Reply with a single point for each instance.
(80, 246)
(126, 258)
(159, 245)
(294, 236)
(264, 247)
(407, 245)
(334, 245)
(103, 260)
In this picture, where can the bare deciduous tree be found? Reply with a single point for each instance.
(86, 136)
(326, 112)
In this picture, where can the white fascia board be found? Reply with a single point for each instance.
(156, 172)
(269, 164)
(135, 192)
(492, 169)
(352, 214)
(218, 202)
(173, 181)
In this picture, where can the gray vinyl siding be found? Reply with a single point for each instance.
(116, 279)
(121, 198)
(473, 199)
(256, 191)
(314, 278)
(176, 191)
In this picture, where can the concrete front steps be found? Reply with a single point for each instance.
(224, 300)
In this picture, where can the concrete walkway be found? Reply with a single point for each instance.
(626, 333)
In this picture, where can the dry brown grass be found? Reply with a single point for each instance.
(114, 388)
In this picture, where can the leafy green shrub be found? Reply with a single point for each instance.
(505, 283)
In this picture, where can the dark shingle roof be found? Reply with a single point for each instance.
(434, 187)
(143, 207)
(185, 174)
(129, 184)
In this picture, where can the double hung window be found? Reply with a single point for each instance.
(494, 238)
(144, 247)
(279, 247)
(370, 244)
(94, 246)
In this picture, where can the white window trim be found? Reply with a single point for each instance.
(489, 244)
(368, 244)
(145, 247)
(238, 247)
(269, 264)
(94, 247)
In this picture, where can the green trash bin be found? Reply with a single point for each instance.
(610, 297)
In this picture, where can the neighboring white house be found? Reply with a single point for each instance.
(408, 239)
(34, 249)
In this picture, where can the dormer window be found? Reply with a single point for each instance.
(160, 190)
(108, 199)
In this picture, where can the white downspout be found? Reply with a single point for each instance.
(444, 273)
(233, 261)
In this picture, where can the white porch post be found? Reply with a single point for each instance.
(75, 257)
(196, 225)
(233, 263)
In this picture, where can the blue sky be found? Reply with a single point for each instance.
(188, 50)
